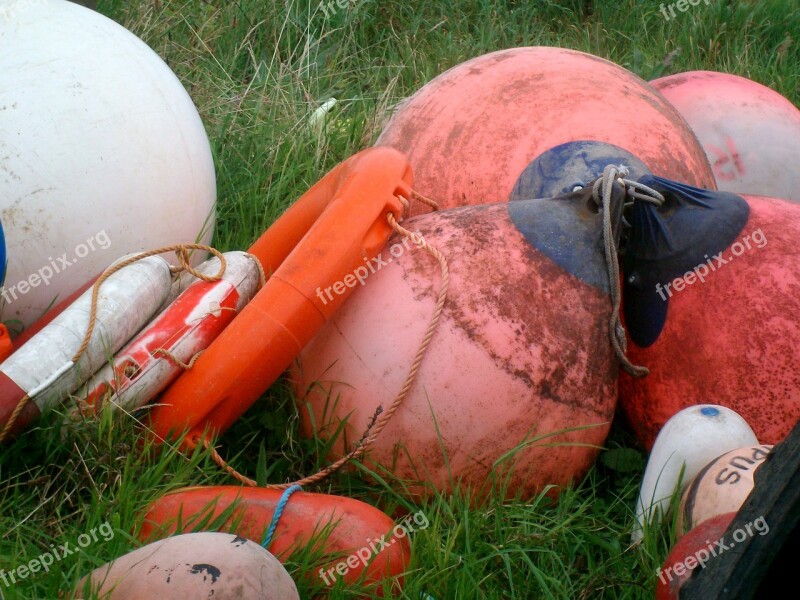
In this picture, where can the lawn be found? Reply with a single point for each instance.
(257, 71)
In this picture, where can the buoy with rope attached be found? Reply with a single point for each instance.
(63, 355)
(358, 197)
(157, 355)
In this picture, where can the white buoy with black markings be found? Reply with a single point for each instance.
(688, 441)
(721, 486)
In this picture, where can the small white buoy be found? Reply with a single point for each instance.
(688, 441)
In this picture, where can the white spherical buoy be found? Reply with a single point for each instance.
(102, 152)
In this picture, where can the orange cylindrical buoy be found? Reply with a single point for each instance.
(730, 328)
(471, 132)
(519, 384)
(750, 133)
(335, 527)
(322, 241)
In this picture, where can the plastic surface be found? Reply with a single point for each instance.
(103, 151)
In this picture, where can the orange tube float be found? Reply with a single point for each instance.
(356, 529)
(329, 234)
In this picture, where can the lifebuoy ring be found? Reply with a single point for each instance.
(335, 228)
(43, 369)
(153, 358)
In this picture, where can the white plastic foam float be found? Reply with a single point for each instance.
(154, 358)
(42, 368)
(688, 441)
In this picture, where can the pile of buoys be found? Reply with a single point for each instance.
(478, 348)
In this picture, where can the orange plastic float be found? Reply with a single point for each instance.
(750, 133)
(339, 225)
(339, 528)
(471, 133)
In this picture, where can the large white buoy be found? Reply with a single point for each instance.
(102, 152)
(688, 442)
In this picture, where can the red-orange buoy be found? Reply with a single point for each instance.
(338, 528)
(750, 133)
(470, 133)
(729, 331)
(520, 355)
(695, 550)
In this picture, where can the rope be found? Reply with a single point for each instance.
(181, 252)
(167, 354)
(276, 516)
(601, 192)
(381, 418)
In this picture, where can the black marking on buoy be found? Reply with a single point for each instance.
(239, 541)
(211, 570)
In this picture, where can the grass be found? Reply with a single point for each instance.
(257, 70)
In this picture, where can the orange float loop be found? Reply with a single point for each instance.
(339, 225)
(601, 193)
(381, 418)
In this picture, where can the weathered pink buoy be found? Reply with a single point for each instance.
(750, 133)
(521, 353)
(471, 132)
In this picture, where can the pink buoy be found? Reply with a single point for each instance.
(750, 133)
(471, 133)
(519, 385)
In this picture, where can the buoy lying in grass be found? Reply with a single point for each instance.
(196, 565)
(695, 549)
(334, 529)
(327, 237)
(721, 486)
(518, 386)
(684, 446)
(750, 133)
(43, 370)
(727, 326)
(109, 153)
(471, 133)
(158, 354)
